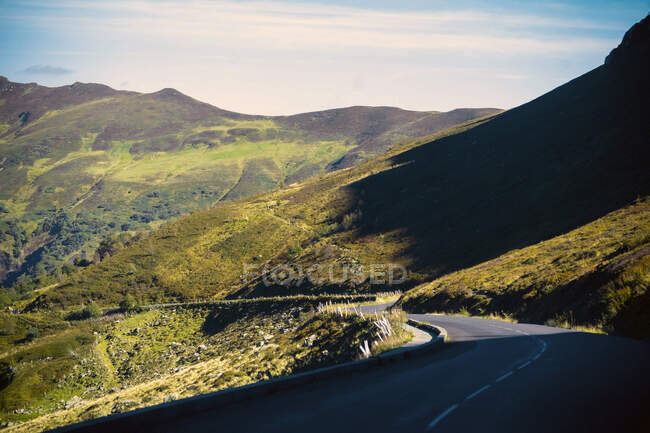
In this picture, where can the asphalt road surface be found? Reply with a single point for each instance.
(491, 376)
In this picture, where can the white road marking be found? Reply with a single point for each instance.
(524, 365)
(475, 393)
(440, 417)
(498, 327)
(433, 423)
(504, 376)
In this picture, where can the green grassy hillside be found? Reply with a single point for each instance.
(202, 256)
(91, 161)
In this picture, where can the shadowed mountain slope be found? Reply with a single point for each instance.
(595, 159)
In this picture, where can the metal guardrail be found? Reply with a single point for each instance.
(142, 419)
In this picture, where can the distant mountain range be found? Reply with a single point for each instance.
(88, 161)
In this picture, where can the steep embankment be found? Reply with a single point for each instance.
(595, 276)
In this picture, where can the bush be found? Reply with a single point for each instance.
(350, 219)
(32, 334)
(107, 247)
(91, 311)
(127, 304)
(81, 262)
(294, 249)
(7, 326)
(5, 299)
(67, 269)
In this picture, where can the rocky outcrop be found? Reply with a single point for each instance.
(635, 46)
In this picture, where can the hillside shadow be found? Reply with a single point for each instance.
(534, 172)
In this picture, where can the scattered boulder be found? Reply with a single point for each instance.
(170, 397)
(123, 406)
(74, 401)
(309, 341)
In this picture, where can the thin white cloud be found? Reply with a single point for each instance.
(46, 70)
(315, 13)
(510, 76)
(278, 57)
(289, 26)
(69, 53)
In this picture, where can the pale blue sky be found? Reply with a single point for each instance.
(271, 57)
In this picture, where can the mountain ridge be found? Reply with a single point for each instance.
(98, 90)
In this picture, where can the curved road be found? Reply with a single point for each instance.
(491, 376)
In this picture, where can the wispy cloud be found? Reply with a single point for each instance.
(291, 26)
(510, 76)
(46, 70)
(70, 53)
(281, 57)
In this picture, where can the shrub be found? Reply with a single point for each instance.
(5, 299)
(91, 311)
(82, 262)
(127, 304)
(32, 334)
(7, 326)
(350, 219)
(294, 249)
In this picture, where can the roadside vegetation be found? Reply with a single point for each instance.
(398, 335)
(390, 330)
(122, 361)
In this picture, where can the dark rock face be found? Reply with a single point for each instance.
(635, 47)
